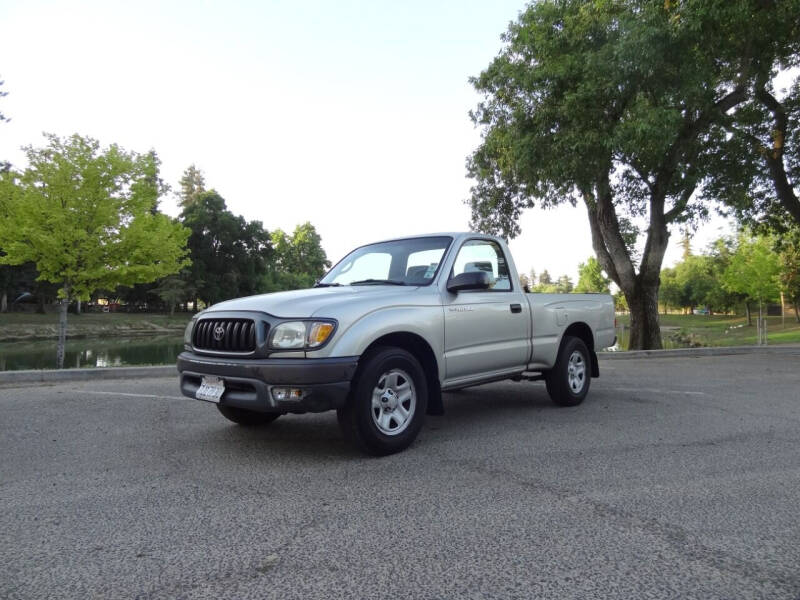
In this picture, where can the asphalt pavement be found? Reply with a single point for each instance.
(677, 478)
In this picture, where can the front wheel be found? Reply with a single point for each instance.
(248, 418)
(387, 403)
(568, 381)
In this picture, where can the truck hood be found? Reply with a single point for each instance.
(320, 302)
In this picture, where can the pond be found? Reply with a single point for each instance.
(92, 352)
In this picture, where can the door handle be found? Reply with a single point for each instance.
(516, 308)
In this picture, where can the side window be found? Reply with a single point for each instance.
(421, 266)
(484, 255)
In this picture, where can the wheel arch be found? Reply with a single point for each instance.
(581, 330)
(417, 346)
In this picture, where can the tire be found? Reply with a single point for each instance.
(568, 381)
(247, 418)
(387, 403)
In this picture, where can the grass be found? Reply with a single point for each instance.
(718, 330)
(31, 326)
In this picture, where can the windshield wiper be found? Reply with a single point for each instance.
(327, 285)
(377, 282)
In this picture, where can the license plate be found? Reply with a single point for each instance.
(210, 390)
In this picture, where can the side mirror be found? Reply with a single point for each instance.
(472, 280)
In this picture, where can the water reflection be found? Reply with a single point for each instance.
(92, 352)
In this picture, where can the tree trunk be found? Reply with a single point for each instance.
(645, 328)
(4, 302)
(797, 310)
(171, 309)
(62, 333)
(78, 306)
(40, 304)
(749, 316)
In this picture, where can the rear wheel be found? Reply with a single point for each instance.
(387, 403)
(568, 381)
(248, 418)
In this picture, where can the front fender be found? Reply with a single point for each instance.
(425, 321)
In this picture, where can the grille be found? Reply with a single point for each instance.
(235, 335)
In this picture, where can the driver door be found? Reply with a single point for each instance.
(486, 331)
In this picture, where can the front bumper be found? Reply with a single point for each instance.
(248, 382)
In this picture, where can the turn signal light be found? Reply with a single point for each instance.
(318, 333)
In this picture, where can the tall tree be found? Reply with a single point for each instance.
(719, 255)
(618, 106)
(670, 291)
(544, 278)
(192, 184)
(84, 215)
(171, 290)
(229, 254)
(564, 285)
(754, 269)
(8, 275)
(591, 278)
(300, 259)
(789, 252)
(759, 158)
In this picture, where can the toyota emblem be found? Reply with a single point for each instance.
(219, 332)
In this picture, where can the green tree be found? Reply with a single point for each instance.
(300, 259)
(719, 298)
(84, 215)
(532, 277)
(694, 276)
(192, 184)
(754, 270)
(229, 254)
(789, 252)
(171, 290)
(670, 291)
(591, 278)
(544, 278)
(564, 285)
(620, 304)
(618, 106)
(758, 170)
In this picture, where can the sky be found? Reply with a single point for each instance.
(351, 115)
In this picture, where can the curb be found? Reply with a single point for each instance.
(698, 352)
(55, 376)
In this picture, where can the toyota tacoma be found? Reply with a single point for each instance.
(386, 331)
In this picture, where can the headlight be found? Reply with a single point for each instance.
(187, 334)
(289, 336)
(297, 335)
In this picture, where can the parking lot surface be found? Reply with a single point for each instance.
(677, 478)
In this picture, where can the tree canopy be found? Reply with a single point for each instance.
(192, 184)
(591, 278)
(229, 254)
(85, 216)
(299, 259)
(754, 269)
(622, 107)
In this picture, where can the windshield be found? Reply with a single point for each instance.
(413, 261)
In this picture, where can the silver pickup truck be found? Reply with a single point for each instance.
(386, 331)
